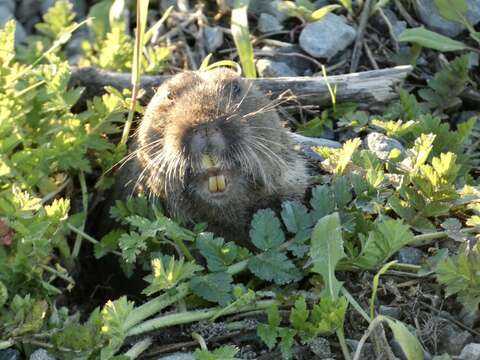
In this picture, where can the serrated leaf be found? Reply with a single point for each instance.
(286, 342)
(327, 250)
(299, 314)
(273, 266)
(218, 253)
(168, 272)
(216, 287)
(431, 40)
(132, 244)
(266, 232)
(297, 219)
(107, 244)
(385, 240)
(322, 202)
(268, 334)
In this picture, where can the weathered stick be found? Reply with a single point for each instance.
(376, 86)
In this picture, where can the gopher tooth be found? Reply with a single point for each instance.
(212, 184)
(216, 183)
(220, 183)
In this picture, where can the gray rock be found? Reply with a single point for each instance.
(430, 16)
(41, 354)
(9, 4)
(469, 318)
(326, 37)
(381, 144)
(6, 15)
(452, 339)
(178, 356)
(9, 354)
(319, 4)
(470, 352)
(27, 11)
(367, 350)
(268, 23)
(289, 56)
(213, 37)
(269, 68)
(320, 347)
(392, 311)
(410, 255)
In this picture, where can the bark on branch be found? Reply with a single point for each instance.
(369, 87)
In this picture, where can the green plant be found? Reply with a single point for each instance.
(241, 37)
(460, 276)
(304, 9)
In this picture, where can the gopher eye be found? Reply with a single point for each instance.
(235, 88)
(169, 95)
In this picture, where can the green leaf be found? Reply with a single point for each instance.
(226, 352)
(114, 315)
(108, 243)
(322, 202)
(328, 315)
(268, 334)
(132, 245)
(169, 275)
(453, 10)
(386, 239)
(431, 40)
(286, 342)
(241, 37)
(297, 219)
(408, 342)
(266, 232)
(327, 250)
(216, 287)
(274, 266)
(218, 254)
(320, 13)
(461, 277)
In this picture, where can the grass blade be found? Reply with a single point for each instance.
(241, 37)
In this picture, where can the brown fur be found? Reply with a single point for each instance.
(255, 151)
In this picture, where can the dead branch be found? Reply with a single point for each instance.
(370, 87)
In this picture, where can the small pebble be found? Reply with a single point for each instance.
(213, 37)
(269, 68)
(470, 352)
(268, 23)
(410, 255)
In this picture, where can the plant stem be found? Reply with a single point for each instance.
(58, 274)
(183, 248)
(192, 316)
(154, 306)
(137, 349)
(78, 240)
(201, 341)
(6, 344)
(87, 237)
(343, 343)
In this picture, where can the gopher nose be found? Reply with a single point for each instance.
(207, 138)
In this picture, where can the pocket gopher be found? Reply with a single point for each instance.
(213, 149)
